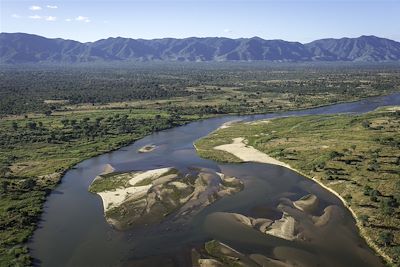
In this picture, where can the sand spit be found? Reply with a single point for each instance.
(394, 109)
(227, 124)
(307, 203)
(248, 153)
(259, 122)
(283, 228)
(108, 168)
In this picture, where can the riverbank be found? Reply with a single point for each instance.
(349, 155)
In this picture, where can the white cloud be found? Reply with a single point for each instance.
(82, 18)
(51, 18)
(35, 17)
(35, 8)
(227, 30)
(68, 20)
(15, 16)
(51, 7)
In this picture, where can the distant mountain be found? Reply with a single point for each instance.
(25, 48)
(28, 48)
(364, 48)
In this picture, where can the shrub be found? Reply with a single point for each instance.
(386, 238)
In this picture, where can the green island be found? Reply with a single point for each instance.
(354, 156)
(52, 118)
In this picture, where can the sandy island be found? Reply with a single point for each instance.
(114, 198)
(147, 197)
(147, 148)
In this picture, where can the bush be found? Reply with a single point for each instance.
(386, 238)
(364, 219)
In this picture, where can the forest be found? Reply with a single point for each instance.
(47, 88)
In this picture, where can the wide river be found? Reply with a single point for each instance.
(74, 232)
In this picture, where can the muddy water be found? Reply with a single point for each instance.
(73, 231)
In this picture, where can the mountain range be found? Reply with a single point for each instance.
(28, 48)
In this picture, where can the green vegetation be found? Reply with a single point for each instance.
(144, 182)
(190, 88)
(52, 117)
(359, 162)
(110, 181)
(34, 156)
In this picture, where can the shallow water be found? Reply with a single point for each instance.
(73, 231)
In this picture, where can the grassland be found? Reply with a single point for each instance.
(358, 156)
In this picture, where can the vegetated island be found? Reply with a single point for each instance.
(354, 156)
(147, 197)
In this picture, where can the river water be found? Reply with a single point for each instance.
(73, 231)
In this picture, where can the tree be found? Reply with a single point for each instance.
(28, 184)
(386, 238)
(367, 190)
(31, 125)
(98, 120)
(65, 122)
(388, 205)
(335, 154)
(364, 219)
(14, 125)
(366, 124)
(47, 112)
(348, 198)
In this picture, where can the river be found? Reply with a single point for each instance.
(73, 231)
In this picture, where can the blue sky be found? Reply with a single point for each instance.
(296, 20)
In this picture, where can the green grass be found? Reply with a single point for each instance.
(348, 153)
(144, 182)
(108, 182)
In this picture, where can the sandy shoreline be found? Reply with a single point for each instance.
(227, 124)
(248, 153)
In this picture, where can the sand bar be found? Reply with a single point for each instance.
(248, 153)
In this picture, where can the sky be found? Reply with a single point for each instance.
(291, 20)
